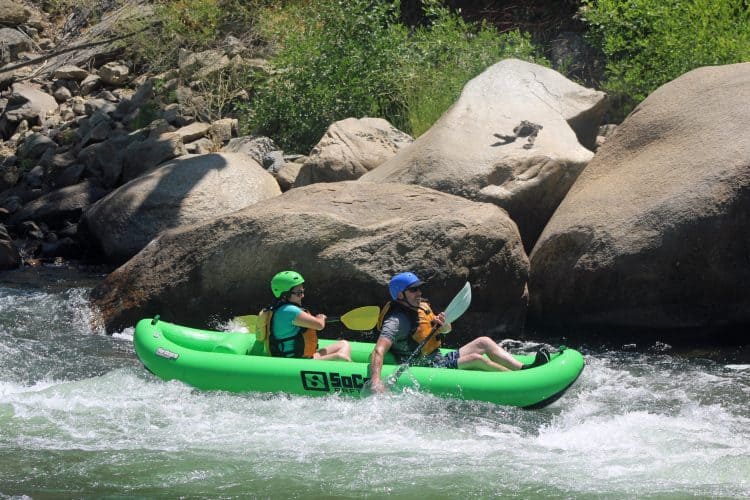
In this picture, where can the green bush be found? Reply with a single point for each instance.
(357, 59)
(650, 42)
(448, 52)
(342, 60)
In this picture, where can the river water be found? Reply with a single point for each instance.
(80, 417)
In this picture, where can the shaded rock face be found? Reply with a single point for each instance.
(351, 148)
(9, 256)
(184, 191)
(654, 233)
(61, 205)
(347, 239)
(511, 139)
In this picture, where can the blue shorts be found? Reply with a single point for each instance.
(449, 360)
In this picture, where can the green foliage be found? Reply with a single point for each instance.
(221, 93)
(356, 58)
(447, 53)
(26, 164)
(650, 42)
(342, 60)
(68, 136)
(146, 114)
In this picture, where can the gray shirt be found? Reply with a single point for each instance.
(397, 327)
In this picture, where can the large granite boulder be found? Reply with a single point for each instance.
(513, 138)
(655, 232)
(351, 148)
(346, 239)
(185, 191)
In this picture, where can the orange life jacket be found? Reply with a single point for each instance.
(422, 325)
(305, 342)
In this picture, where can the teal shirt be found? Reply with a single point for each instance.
(282, 325)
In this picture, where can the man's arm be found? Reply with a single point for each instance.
(376, 363)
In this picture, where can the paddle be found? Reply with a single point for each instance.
(361, 318)
(455, 309)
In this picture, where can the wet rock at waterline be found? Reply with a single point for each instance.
(9, 257)
(346, 238)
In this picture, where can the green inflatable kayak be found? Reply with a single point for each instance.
(234, 361)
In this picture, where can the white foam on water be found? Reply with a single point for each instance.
(126, 334)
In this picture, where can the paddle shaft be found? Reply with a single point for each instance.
(405, 365)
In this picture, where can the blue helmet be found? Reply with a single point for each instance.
(401, 282)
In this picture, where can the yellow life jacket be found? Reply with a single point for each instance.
(421, 328)
(305, 342)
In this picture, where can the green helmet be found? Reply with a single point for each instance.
(285, 281)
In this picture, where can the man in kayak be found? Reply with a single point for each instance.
(408, 319)
(291, 331)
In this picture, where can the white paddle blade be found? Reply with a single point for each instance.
(459, 304)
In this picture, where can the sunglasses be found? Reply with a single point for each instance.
(297, 293)
(414, 289)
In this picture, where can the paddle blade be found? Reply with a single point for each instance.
(250, 322)
(361, 318)
(459, 304)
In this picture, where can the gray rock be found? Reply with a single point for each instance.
(654, 233)
(9, 256)
(330, 233)
(254, 146)
(223, 130)
(140, 157)
(273, 161)
(13, 43)
(68, 175)
(13, 13)
(9, 174)
(114, 73)
(481, 150)
(71, 72)
(34, 177)
(351, 148)
(62, 94)
(201, 146)
(98, 105)
(90, 84)
(287, 175)
(185, 191)
(193, 131)
(55, 207)
(27, 102)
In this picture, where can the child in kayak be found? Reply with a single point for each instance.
(291, 331)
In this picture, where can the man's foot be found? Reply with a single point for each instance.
(542, 357)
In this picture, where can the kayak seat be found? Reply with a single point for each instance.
(235, 343)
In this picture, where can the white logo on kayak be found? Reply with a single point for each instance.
(166, 354)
